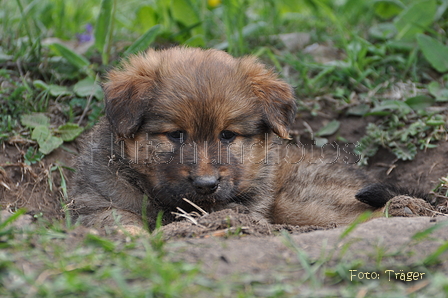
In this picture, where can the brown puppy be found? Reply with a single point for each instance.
(202, 125)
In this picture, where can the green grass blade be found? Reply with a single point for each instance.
(103, 24)
(144, 41)
(12, 218)
(434, 257)
(104, 29)
(304, 260)
(360, 219)
(425, 233)
(73, 58)
(63, 183)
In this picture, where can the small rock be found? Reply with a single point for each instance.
(295, 41)
(407, 210)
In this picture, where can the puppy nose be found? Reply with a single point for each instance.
(205, 185)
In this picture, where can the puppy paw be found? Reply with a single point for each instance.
(406, 206)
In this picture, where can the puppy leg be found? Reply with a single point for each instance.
(123, 220)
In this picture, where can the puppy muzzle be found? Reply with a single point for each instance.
(205, 185)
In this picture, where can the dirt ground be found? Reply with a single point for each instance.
(228, 242)
(263, 258)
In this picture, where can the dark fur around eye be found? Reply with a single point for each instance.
(176, 136)
(227, 136)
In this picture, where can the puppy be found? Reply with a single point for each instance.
(202, 125)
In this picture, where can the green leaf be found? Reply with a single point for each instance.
(435, 52)
(69, 131)
(383, 31)
(391, 105)
(437, 120)
(420, 102)
(358, 110)
(73, 58)
(367, 146)
(34, 120)
(40, 84)
(47, 142)
(320, 142)
(144, 41)
(50, 144)
(41, 133)
(54, 90)
(4, 57)
(415, 19)
(103, 25)
(184, 12)
(387, 9)
(328, 129)
(31, 157)
(404, 152)
(441, 94)
(57, 90)
(87, 87)
(146, 18)
(378, 113)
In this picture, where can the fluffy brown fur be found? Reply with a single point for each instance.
(202, 125)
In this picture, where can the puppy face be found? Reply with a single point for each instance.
(197, 124)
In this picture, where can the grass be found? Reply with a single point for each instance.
(50, 260)
(379, 275)
(377, 47)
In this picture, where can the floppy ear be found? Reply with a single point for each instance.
(127, 95)
(276, 98)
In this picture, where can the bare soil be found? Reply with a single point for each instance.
(228, 242)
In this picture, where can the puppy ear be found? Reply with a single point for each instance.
(277, 100)
(123, 110)
(127, 95)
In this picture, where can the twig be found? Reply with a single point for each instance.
(438, 195)
(188, 216)
(196, 206)
(19, 67)
(18, 164)
(390, 167)
(85, 109)
(434, 211)
(88, 103)
(5, 185)
(310, 130)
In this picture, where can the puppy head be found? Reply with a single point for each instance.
(133, 89)
(195, 122)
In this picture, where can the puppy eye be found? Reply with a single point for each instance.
(176, 136)
(227, 136)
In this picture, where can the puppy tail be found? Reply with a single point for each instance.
(378, 194)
